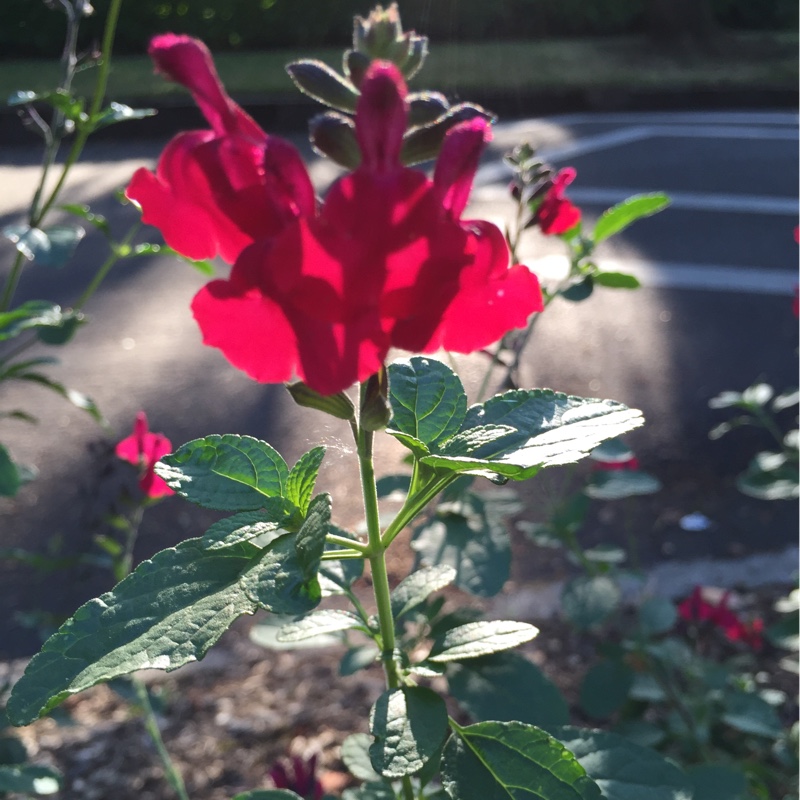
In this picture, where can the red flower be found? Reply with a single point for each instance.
(386, 262)
(555, 213)
(299, 775)
(215, 191)
(696, 608)
(143, 449)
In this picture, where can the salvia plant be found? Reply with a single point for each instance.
(319, 292)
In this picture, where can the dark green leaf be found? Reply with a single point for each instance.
(29, 779)
(409, 726)
(605, 688)
(370, 791)
(576, 292)
(616, 280)
(33, 314)
(749, 713)
(624, 770)
(10, 479)
(337, 405)
(657, 615)
(318, 623)
(617, 484)
(257, 527)
(512, 760)
(413, 590)
(12, 750)
(228, 473)
(319, 81)
(355, 754)
(389, 485)
(62, 333)
(717, 782)
(471, 537)
(628, 211)
(168, 612)
(480, 639)
(303, 476)
(549, 428)
(48, 247)
(427, 398)
(310, 542)
(588, 601)
(506, 687)
(777, 484)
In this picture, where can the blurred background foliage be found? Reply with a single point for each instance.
(28, 29)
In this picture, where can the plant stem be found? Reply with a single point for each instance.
(377, 563)
(115, 255)
(12, 281)
(151, 724)
(348, 544)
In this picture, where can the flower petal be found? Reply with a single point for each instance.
(381, 117)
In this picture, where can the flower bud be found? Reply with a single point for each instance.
(319, 81)
(334, 135)
(375, 410)
(337, 405)
(458, 162)
(356, 65)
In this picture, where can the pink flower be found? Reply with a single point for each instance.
(299, 775)
(143, 449)
(386, 262)
(215, 191)
(556, 214)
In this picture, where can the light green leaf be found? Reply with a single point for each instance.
(265, 632)
(303, 476)
(470, 536)
(624, 770)
(227, 473)
(588, 601)
(10, 479)
(605, 688)
(427, 399)
(480, 639)
(506, 687)
(168, 612)
(409, 726)
(29, 779)
(512, 760)
(620, 483)
(413, 590)
(318, 623)
(549, 428)
(618, 217)
(616, 280)
(355, 754)
(48, 247)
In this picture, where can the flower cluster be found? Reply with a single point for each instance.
(696, 608)
(324, 290)
(143, 449)
(556, 214)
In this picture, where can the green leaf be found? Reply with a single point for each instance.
(168, 612)
(786, 399)
(776, 484)
(62, 333)
(318, 623)
(549, 428)
(588, 601)
(358, 658)
(49, 247)
(268, 794)
(97, 221)
(618, 217)
(413, 590)
(624, 770)
(657, 615)
(616, 280)
(480, 639)
(119, 112)
(370, 791)
(29, 779)
(506, 687)
(336, 577)
(337, 405)
(310, 543)
(409, 726)
(265, 633)
(355, 754)
(258, 527)
(389, 485)
(512, 760)
(471, 537)
(581, 290)
(10, 479)
(605, 688)
(78, 399)
(427, 399)
(227, 473)
(319, 81)
(717, 782)
(620, 483)
(303, 476)
(749, 713)
(32, 314)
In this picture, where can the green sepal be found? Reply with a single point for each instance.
(337, 405)
(319, 81)
(227, 473)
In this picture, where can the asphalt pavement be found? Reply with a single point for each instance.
(718, 270)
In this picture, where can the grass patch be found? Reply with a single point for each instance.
(632, 62)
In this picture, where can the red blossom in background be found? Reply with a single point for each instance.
(696, 608)
(298, 775)
(215, 191)
(631, 463)
(324, 293)
(556, 214)
(143, 449)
